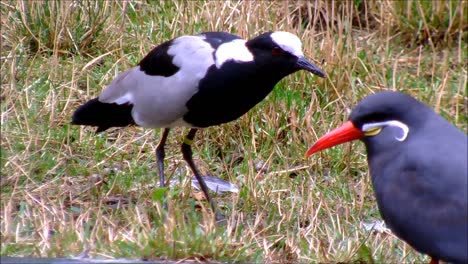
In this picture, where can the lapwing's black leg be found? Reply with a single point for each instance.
(187, 153)
(160, 154)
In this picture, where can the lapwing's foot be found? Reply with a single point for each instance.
(220, 219)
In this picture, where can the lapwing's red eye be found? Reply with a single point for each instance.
(276, 51)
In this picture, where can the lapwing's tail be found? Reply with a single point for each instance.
(103, 115)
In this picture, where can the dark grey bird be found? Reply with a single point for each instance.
(196, 81)
(418, 165)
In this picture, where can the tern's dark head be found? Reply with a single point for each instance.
(388, 106)
(282, 51)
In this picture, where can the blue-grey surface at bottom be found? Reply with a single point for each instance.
(21, 260)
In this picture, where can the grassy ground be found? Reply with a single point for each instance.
(65, 190)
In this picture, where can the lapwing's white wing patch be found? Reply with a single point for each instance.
(165, 96)
(193, 56)
(234, 50)
(288, 42)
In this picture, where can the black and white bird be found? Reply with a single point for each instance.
(418, 165)
(195, 81)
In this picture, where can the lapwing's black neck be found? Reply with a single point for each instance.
(243, 86)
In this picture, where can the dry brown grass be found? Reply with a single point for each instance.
(65, 190)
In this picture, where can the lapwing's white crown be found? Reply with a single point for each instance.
(288, 42)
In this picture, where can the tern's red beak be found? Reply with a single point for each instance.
(342, 134)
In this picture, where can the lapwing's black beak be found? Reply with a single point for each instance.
(305, 64)
(346, 132)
